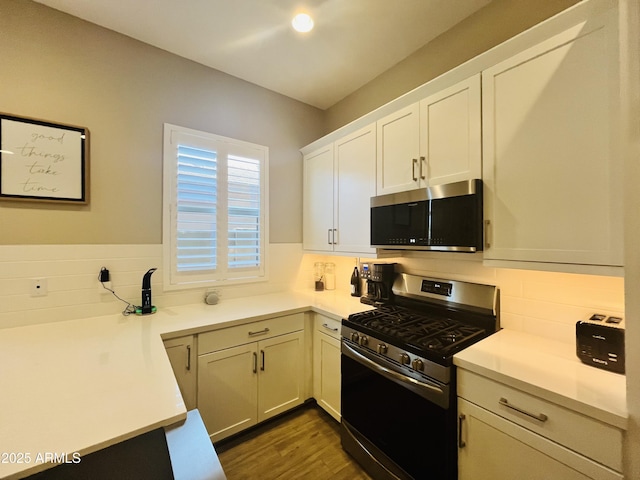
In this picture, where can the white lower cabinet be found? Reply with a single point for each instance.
(182, 356)
(243, 381)
(326, 364)
(505, 433)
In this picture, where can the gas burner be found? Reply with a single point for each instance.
(451, 337)
(426, 328)
(449, 342)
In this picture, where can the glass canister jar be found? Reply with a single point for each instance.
(330, 276)
(318, 276)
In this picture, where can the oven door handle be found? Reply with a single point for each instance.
(390, 373)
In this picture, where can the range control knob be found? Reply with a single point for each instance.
(404, 359)
(417, 364)
(382, 348)
(354, 337)
(363, 340)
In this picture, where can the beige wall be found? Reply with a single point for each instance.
(491, 25)
(58, 68)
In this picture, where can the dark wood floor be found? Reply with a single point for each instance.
(302, 444)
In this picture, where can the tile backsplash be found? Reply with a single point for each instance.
(71, 273)
(542, 303)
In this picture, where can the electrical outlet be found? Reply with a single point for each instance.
(39, 287)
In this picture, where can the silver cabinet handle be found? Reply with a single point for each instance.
(461, 443)
(423, 161)
(413, 169)
(329, 328)
(331, 236)
(264, 331)
(541, 417)
(487, 234)
(255, 362)
(188, 357)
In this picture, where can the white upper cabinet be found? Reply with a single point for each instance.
(318, 199)
(339, 180)
(553, 177)
(450, 134)
(355, 184)
(431, 142)
(398, 152)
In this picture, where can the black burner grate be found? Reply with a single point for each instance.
(427, 332)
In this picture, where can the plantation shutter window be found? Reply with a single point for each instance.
(243, 212)
(215, 213)
(196, 207)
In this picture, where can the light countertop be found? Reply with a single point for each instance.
(82, 385)
(550, 370)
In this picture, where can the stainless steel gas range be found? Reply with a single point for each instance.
(399, 415)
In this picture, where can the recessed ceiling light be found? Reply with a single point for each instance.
(302, 23)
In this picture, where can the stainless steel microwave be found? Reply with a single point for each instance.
(443, 218)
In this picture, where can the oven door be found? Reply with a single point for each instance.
(390, 426)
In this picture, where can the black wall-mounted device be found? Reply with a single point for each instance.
(146, 307)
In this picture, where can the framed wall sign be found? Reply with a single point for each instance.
(43, 161)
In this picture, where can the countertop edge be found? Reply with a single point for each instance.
(470, 360)
(175, 322)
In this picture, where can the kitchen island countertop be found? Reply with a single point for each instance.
(78, 386)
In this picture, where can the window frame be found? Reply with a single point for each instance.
(225, 149)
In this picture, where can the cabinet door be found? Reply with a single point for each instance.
(228, 389)
(492, 448)
(450, 134)
(355, 184)
(553, 185)
(398, 140)
(182, 356)
(281, 374)
(318, 196)
(326, 373)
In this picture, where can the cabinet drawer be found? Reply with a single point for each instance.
(250, 332)
(590, 437)
(328, 325)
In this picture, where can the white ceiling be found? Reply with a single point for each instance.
(353, 40)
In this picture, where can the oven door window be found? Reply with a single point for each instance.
(416, 434)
